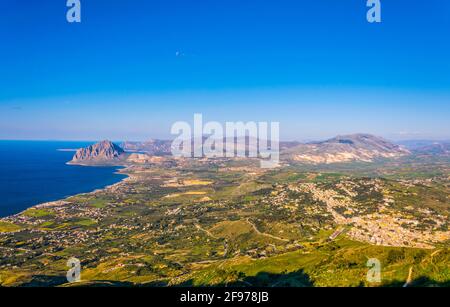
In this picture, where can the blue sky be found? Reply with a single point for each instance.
(132, 68)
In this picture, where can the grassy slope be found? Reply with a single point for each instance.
(341, 263)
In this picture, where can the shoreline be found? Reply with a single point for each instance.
(63, 201)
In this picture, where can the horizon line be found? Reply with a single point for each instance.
(446, 139)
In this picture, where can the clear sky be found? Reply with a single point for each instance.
(133, 67)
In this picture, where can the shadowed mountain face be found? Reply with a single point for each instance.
(100, 152)
(355, 147)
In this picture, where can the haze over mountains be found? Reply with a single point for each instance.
(340, 149)
(151, 147)
(355, 147)
(435, 149)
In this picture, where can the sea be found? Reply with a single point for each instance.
(35, 172)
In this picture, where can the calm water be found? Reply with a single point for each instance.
(36, 172)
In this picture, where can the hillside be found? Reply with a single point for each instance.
(348, 148)
(214, 222)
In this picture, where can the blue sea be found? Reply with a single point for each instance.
(34, 172)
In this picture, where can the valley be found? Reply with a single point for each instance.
(176, 221)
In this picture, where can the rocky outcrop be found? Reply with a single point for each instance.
(102, 152)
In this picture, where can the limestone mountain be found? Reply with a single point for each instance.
(152, 147)
(346, 148)
(104, 151)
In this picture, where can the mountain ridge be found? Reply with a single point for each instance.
(360, 147)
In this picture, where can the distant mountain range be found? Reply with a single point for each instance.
(346, 148)
(151, 147)
(108, 153)
(434, 149)
(427, 148)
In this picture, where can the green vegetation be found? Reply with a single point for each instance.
(38, 213)
(337, 264)
(8, 227)
(229, 222)
(85, 222)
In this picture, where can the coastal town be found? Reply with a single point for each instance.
(163, 223)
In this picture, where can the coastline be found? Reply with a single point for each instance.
(63, 201)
